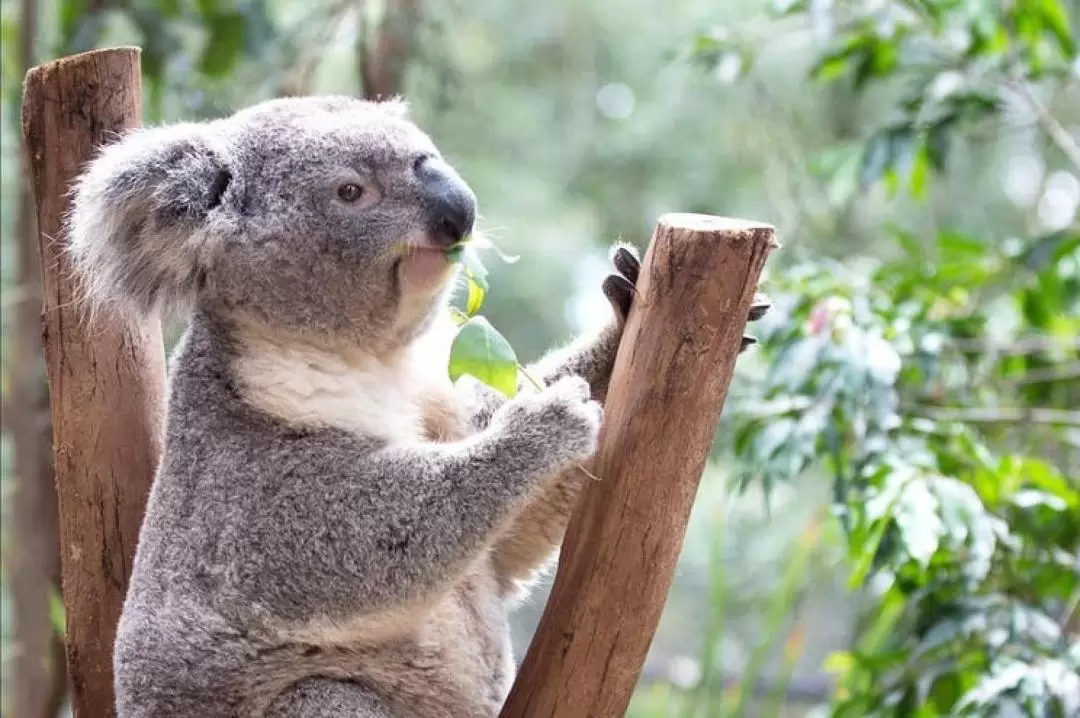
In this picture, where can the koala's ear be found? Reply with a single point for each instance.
(396, 106)
(147, 214)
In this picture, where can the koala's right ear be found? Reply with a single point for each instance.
(147, 216)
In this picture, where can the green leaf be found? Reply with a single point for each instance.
(864, 558)
(916, 515)
(881, 152)
(920, 172)
(57, 614)
(937, 143)
(789, 7)
(1029, 498)
(1056, 20)
(169, 8)
(959, 246)
(225, 44)
(476, 297)
(475, 276)
(480, 351)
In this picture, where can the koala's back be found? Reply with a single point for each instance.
(194, 639)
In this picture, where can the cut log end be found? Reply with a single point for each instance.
(710, 226)
(108, 54)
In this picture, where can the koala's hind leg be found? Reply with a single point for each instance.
(327, 698)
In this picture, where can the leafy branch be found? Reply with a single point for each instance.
(478, 349)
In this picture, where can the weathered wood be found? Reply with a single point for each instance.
(671, 377)
(106, 381)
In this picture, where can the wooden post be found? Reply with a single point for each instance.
(106, 381)
(671, 376)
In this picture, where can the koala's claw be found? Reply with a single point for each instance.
(620, 289)
(620, 292)
(626, 262)
(760, 307)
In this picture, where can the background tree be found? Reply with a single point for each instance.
(37, 667)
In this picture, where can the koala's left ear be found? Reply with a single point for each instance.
(396, 106)
(147, 216)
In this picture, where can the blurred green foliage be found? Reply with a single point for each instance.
(920, 373)
(953, 457)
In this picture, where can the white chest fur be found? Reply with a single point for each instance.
(384, 397)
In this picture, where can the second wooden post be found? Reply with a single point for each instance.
(671, 377)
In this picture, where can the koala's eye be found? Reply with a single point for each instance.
(350, 192)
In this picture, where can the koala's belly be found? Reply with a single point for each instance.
(457, 662)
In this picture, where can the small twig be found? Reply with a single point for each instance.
(1027, 345)
(1002, 415)
(1047, 375)
(1057, 134)
(1070, 609)
(536, 385)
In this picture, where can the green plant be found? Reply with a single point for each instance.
(932, 388)
(478, 349)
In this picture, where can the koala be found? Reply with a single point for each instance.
(335, 528)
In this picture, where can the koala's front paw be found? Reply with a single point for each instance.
(620, 289)
(561, 420)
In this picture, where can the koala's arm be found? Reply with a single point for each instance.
(591, 357)
(531, 540)
(391, 528)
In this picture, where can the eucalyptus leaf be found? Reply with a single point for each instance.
(916, 515)
(57, 613)
(480, 351)
(475, 298)
(475, 275)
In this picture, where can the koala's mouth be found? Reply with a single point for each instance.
(422, 267)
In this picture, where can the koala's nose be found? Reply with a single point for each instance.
(449, 202)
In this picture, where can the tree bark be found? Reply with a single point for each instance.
(385, 56)
(671, 376)
(106, 382)
(31, 555)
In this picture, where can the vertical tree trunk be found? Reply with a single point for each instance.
(385, 52)
(670, 380)
(31, 554)
(106, 382)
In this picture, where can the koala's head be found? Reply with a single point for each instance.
(321, 216)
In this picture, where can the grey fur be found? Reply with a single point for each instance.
(291, 564)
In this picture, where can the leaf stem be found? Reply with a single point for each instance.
(1049, 124)
(536, 385)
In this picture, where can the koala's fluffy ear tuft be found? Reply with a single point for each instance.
(147, 214)
(395, 106)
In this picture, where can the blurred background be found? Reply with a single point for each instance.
(889, 524)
